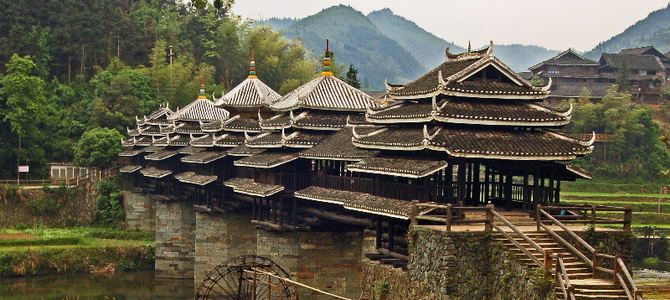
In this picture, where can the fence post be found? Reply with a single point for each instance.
(538, 216)
(597, 263)
(547, 263)
(627, 218)
(448, 220)
(593, 215)
(414, 213)
(489, 218)
(616, 268)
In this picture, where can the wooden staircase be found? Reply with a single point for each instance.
(579, 273)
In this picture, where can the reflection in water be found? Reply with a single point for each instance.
(134, 285)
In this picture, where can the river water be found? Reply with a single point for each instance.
(133, 285)
(140, 285)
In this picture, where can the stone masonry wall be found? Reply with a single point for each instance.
(455, 266)
(330, 261)
(220, 237)
(175, 239)
(140, 211)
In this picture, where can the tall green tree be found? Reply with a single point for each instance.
(352, 77)
(23, 110)
(98, 147)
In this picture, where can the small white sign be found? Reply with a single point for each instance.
(24, 169)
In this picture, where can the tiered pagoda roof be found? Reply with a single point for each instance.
(471, 106)
(469, 75)
(311, 112)
(250, 93)
(567, 58)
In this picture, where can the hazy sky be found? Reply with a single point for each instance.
(555, 24)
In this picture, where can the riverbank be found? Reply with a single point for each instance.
(39, 251)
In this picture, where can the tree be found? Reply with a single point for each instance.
(352, 77)
(23, 95)
(537, 81)
(623, 78)
(98, 147)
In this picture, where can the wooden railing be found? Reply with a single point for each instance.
(454, 215)
(563, 280)
(619, 272)
(389, 189)
(93, 175)
(588, 214)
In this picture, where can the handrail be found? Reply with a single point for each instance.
(563, 279)
(565, 228)
(583, 211)
(627, 280)
(95, 174)
(619, 267)
(489, 226)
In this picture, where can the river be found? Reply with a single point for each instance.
(133, 285)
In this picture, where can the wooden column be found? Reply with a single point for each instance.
(526, 193)
(449, 182)
(508, 191)
(460, 196)
(487, 184)
(477, 195)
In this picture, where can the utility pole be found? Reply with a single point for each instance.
(18, 163)
(171, 54)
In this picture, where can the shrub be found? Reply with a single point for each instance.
(109, 211)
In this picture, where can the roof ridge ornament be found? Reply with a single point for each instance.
(547, 86)
(252, 67)
(326, 62)
(260, 118)
(591, 141)
(433, 102)
(568, 112)
(489, 51)
(201, 94)
(443, 83)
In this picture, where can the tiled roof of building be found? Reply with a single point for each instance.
(204, 157)
(573, 90)
(129, 168)
(469, 111)
(155, 173)
(250, 93)
(193, 178)
(161, 155)
(338, 146)
(566, 58)
(308, 119)
(266, 160)
(491, 143)
(243, 150)
(457, 78)
(234, 124)
(247, 186)
(160, 116)
(188, 127)
(356, 201)
(325, 93)
(295, 139)
(189, 150)
(200, 110)
(632, 62)
(398, 166)
(131, 152)
(229, 140)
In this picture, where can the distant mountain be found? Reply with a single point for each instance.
(383, 45)
(521, 57)
(355, 40)
(430, 53)
(277, 23)
(652, 30)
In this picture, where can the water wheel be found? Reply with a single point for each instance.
(247, 277)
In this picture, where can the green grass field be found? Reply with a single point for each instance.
(56, 238)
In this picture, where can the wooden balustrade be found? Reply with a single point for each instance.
(619, 272)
